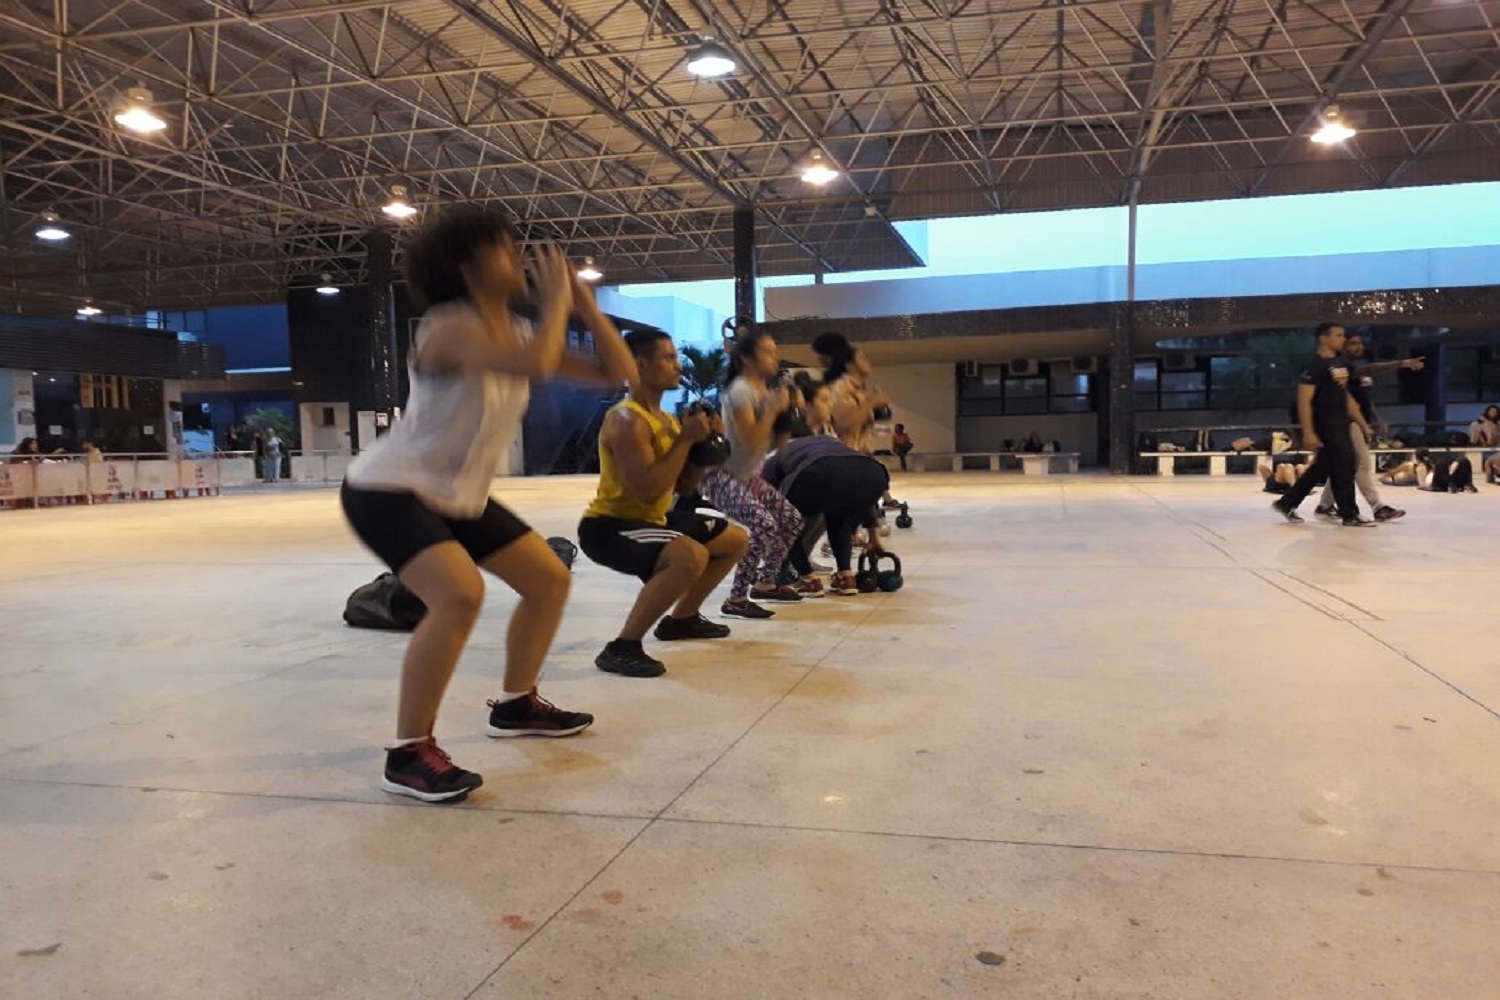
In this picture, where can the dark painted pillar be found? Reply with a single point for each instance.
(744, 262)
(1434, 386)
(1122, 391)
(385, 372)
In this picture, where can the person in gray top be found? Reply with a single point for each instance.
(753, 401)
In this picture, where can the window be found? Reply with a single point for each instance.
(1070, 391)
(1461, 374)
(994, 393)
(1184, 390)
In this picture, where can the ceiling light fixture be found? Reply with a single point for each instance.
(51, 228)
(588, 272)
(818, 170)
(327, 287)
(1334, 129)
(138, 116)
(710, 60)
(88, 309)
(398, 207)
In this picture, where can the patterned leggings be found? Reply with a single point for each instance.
(771, 520)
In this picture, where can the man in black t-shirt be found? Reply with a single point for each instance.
(1361, 388)
(1325, 409)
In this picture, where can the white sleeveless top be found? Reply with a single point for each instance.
(458, 425)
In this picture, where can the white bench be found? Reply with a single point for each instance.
(1218, 461)
(1032, 463)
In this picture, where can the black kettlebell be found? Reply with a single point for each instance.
(903, 519)
(712, 450)
(882, 413)
(871, 577)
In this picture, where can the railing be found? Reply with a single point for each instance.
(53, 480)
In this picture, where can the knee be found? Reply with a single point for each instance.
(550, 582)
(688, 556)
(738, 538)
(462, 600)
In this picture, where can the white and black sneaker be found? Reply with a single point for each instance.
(1290, 515)
(1357, 522)
(1329, 512)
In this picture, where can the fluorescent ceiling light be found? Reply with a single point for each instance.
(89, 309)
(327, 287)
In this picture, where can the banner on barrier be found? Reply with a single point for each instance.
(18, 481)
(109, 478)
(62, 479)
(198, 475)
(156, 476)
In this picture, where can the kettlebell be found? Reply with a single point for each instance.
(903, 519)
(712, 450)
(871, 577)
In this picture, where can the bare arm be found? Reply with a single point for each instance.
(646, 477)
(1358, 416)
(1310, 439)
(611, 363)
(1381, 367)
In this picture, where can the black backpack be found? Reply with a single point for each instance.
(384, 603)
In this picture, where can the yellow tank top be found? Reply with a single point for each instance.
(612, 499)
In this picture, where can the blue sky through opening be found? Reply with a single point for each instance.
(1459, 215)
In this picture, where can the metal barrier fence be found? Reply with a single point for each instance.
(51, 480)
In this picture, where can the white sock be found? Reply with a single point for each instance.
(506, 696)
(398, 744)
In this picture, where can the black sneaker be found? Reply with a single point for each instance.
(423, 771)
(1357, 522)
(1290, 515)
(696, 627)
(777, 595)
(534, 715)
(745, 608)
(628, 659)
(1386, 512)
(1326, 511)
(891, 504)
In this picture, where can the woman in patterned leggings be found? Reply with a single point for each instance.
(751, 406)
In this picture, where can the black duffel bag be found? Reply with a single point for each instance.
(384, 603)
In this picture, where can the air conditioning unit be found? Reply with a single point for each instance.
(1023, 367)
(1179, 361)
(1086, 365)
(971, 369)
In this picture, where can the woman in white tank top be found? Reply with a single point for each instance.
(420, 496)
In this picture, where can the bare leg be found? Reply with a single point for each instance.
(681, 562)
(447, 581)
(723, 553)
(530, 568)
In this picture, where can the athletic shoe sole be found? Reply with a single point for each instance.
(501, 734)
(396, 788)
(758, 599)
(743, 616)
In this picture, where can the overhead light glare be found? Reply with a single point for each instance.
(51, 228)
(818, 170)
(399, 207)
(1334, 130)
(710, 60)
(88, 309)
(137, 114)
(327, 287)
(588, 272)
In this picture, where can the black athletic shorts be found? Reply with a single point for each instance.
(397, 525)
(633, 547)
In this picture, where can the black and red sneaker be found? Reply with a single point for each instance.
(776, 594)
(1385, 512)
(533, 715)
(423, 771)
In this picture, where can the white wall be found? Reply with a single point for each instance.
(316, 437)
(1077, 432)
(923, 398)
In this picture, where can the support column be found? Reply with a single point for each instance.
(385, 375)
(1434, 385)
(1122, 367)
(744, 262)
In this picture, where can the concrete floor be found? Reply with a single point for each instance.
(1116, 739)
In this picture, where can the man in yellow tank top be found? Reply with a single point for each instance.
(630, 528)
